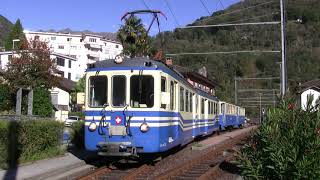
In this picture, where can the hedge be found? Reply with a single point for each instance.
(29, 140)
(77, 135)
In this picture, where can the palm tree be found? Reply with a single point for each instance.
(134, 38)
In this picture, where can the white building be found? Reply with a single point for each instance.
(308, 89)
(85, 48)
(67, 66)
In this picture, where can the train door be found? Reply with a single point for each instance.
(173, 106)
(195, 123)
(222, 118)
(118, 118)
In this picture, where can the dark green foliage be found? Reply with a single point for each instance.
(286, 146)
(6, 98)
(42, 105)
(29, 140)
(16, 33)
(77, 135)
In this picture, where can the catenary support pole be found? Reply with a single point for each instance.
(283, 49)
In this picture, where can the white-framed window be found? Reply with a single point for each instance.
(69, 39)
(92, 40)
(61, 47)
(53, 38)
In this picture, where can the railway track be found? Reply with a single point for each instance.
(201, 164)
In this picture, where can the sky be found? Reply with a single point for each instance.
(103, 15)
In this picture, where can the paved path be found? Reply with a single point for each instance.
(44, 168)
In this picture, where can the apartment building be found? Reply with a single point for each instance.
(84, 48)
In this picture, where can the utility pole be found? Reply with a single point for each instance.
(283, 49)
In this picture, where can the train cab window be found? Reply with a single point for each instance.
(181, 99)
(141, 91)
(98, 90)
(119, 91)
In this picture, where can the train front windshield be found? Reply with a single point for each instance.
(141, 91)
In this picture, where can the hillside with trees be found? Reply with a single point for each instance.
(303, 44)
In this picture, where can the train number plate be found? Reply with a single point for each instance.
(117, 130)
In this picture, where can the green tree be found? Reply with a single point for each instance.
(134, 38)
(32, 67)
(16, 33)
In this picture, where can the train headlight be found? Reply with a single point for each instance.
(144, 127)
(92, 126)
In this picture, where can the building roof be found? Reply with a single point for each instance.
(66, 84)
(312, 84)
(195, 76)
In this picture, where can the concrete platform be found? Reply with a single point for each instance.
(213, 141)
(55, 168)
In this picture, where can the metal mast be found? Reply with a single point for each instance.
(283, 50)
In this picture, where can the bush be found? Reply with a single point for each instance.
(42, 105)
(77, 135)
(6, 99)
(286, 146)
(29, 140)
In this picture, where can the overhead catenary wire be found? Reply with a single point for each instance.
(236, 11)
(222, 52)
(145, 4)
(171, 11)
(205, 7)
(231, 24)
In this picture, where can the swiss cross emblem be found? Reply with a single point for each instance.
(118, 120)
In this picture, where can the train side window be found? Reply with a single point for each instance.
(191, 101)
(163, 89)
(187, 100)
(98, 91)
(181, 99)
(202, 106)
(141, 91)
(172, 95)
(119, 91)
(163, 84)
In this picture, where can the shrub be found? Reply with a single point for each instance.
(29, 140)
(42, 105)
(77, 135)
(6, 99)
(286, 146)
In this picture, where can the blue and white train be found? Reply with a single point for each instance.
(141, 106)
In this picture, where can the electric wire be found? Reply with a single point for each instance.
(145, 4)
(236, 11)
(171, 11)
(205, 7)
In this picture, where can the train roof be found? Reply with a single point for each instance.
(145, 62)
